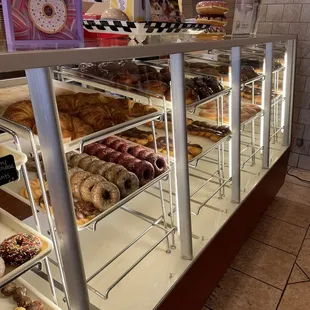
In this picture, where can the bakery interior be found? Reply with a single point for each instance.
(138, 152)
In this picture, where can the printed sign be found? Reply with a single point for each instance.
(8, 172)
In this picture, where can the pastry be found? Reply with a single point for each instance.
(2, 267)
(74, 162)
(143, 170)
(156, 87)
(127, 183)
(86, 161)
(9, 289)
(24, 301)
(76, 181)
(247, 93)
(19, 292)
(87, 185)
(20, 248)
(212, 19)
(104, 195)
(212, 7)
(136, 135)
(215, 133)
(36, 305)
(159, 163)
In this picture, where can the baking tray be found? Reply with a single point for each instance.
(9, 225)
(7, 303)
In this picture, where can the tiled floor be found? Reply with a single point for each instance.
(272, 270)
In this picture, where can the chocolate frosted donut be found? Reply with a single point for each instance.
(91, 149)
(20, 248)
(114, 156)
(123, 158)
(117, 144)
(74, 162)
(127, 182)
(87, 186)
(135, 150)
(103, 153)
(111, 173)
(76, 181)
(107, 141)
(86, 161)
(144, 171)
(159, 163)
(104, 195)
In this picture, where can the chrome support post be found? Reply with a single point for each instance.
(46, 117)
(234, 123)
(266, 105)
(180, 154)
(288, 91)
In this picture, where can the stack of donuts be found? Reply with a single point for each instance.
(212, 12)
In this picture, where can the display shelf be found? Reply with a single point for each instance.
(19, 157)
(7, 303)
(9, 225)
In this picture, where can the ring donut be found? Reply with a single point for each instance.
(144, 153)
(127, 182)
(94, 166)
(106, 166)
(212, 7)
(117, 144)
(87, 186)
(103, 154)
(159, 163)
(111, 173)
(49, 16)
(91, 149)
(75, 160)
(70, 155)
(109, 140)
(144, 171)
(76, 181)
(104, 195)
(135, 150)
(123, 158)
(86, 161)
(114, 156)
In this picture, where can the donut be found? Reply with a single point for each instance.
(135, 150)
(111, 173)
(49, 16)
(144, 153)
(250, 111)
(252, 106)
(36, 305)
(19, 292)
(209, 105)
(70, 155)
(112, 157)
(127, 182)
(104, 195)
(75, 160)
(105, 167)
(71, 172)
(212, 19)
(124, 148)
(158, 162)
(123, 158)
(144, 171)
(2, 267)
(208, 113)
(76, 181)
(211, 7)
(117, 144)
(91, 149)
(20, 248)
(24, 301)
(87, 186)
(9, 289)
(156, 86)
(86, 161)
(107, 141)
(103, 153)
(130, 163)
(94, 166)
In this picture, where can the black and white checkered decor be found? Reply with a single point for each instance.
(141, 28)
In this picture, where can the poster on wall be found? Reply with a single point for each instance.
(245, 17)
(43, 23)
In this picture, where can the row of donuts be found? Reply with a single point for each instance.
(19, 294)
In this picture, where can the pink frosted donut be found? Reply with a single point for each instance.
(103, 154)
(159, 163)
(114, 156)
(49, 16)
(107, 141)
(117, 144)
(123, 158)
(135, 150)
(144, 171)
(91, 149)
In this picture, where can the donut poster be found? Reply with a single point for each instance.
(43, 22)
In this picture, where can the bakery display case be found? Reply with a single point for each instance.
(138, 156)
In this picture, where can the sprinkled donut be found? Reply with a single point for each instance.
(104, 195)
(20, 248)
(87, 186)
(49, 16)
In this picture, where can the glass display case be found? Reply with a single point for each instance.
(138, 155)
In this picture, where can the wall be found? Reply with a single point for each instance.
(293, 17)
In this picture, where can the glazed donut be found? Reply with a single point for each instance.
(74, 162)
(87, 186)
(86, 161)
(111, 173)
(104, 195)
(76, 181)
(158, 162)
(91, 149)
(48, 16)
(20, 248)
(144, 171)
(107, 141)
(103, 154)
(212, 7)
(127, 182)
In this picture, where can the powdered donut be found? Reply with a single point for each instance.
(49, 16)
(86, 161)
(87, 186)
(76, 181)
(111, 173)
(127, 182)
(104, 195)
(75, 160)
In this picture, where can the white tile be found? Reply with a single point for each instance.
(264, 28)
(291, 12)
(303, 149)
(300, 81)
(293, 160)
(300, 29)
(307, 86)
(304, 162)
(274, 13)
(305, 13)
(268, 1)
(304, 117)
(298, 130)
(280, 28)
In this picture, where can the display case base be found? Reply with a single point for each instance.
(205, 272)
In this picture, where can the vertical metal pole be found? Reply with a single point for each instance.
(288, 87)
(46, 116)
(180, 154)
(266, 105)
(234, 123)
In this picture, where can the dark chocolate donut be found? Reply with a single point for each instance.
(159, 163)
(144, 171)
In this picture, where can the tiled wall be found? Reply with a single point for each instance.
(293, 17)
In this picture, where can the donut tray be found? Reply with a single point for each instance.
(7, 303)
(9, 225)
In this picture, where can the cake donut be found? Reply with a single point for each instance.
(111, 173)
(212, 7)
(75, 160)
(104, 195)
(87, 186)
(109, 140)
(91, 149)
(127, 182)
(144, 171)
(103, 154)
(117, 144)
(49, 16)
(95, 166)
(158, 162)
(86, 161)
(112, 157)
(20, 248)
(123, 159)
(76, 181)
(104, 167)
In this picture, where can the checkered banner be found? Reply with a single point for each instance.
(141, 28)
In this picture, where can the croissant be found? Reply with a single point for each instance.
(21, 112)
(80, 128)
(139, 109)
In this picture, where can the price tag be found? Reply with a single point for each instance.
(8, 172)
